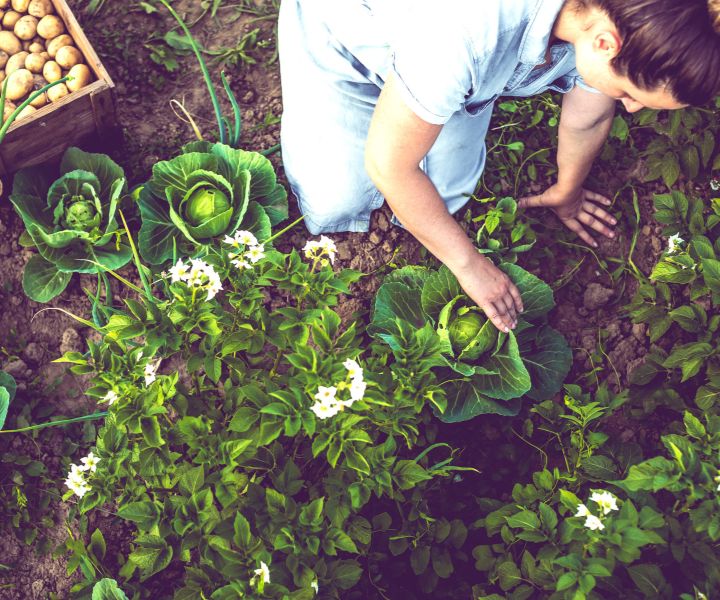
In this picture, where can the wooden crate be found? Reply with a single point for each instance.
(46, 134)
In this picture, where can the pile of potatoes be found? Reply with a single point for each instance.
(36, 50)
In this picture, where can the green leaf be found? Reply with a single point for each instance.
(145, 514)
(4, 405)
(97, 544)
(345, 573)
(548, 359)
(264, 188)
(420, 559)
(466, 402)
(242, 535)
(42, 281)
(504, 375)
(649, 579)
(192, 480)
(439, 288)
(536, 295)
(652, 475)
(600, 467)
(509, 575)
(566, 580)
(693, 426)
(107, 589)
(441, 562)
(102, 166)
(525, 519)
(151, 555)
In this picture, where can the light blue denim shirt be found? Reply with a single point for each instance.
(458, 55)
(452, 59)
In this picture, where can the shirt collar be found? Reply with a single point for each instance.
(537, 34)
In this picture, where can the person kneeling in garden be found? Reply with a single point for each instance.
(391, 100)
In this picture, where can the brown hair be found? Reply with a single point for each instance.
(673, 43)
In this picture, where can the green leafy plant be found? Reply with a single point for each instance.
(8, 387)
(207, 192)
(486, 371)
(72, 221)
(502, 232)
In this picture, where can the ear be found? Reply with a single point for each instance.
(607, 43)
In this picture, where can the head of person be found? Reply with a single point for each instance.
(662, 54)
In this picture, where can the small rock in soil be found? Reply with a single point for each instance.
(17, 368)
(613, 330)
(375, 238)
(34, 353)
(387, 246)
(638, 331)
(596, 296)
(71, 341)
(383, 222)
(343, 250)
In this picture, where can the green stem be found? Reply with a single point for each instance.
(286, 229)
(91, 417)
(19, 109)
(203, 68)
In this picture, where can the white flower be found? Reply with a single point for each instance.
(310, 247)
(325, 410)
(76, 481)
(76, 474)
(247, 238)
(328, 247)
(262, 574)
(90, 462)
(150, 371)
(594, 523)
(582, 511)
(314, 586)
(353, 368)
(674, 242)
(231, 241)
(255, 253)
(110, 397)
(605, 500)
(179, 272)
(78, 488)
(326, 394)
(314, 249)
(357, 389)
(241, 264)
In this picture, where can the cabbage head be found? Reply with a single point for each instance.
(72, 221)
(207, 192)
(424, 313)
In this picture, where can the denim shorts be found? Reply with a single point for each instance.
(328, 101)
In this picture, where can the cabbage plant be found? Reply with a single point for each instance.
(207, 192)
(71, 221)
(483, 370)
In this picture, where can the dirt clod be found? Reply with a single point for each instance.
(596, 296)
(71, 341)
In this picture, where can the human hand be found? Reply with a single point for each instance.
(576, 209)
(492, 290)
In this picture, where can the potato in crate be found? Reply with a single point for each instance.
(41, 42)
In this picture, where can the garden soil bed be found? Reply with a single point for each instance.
(30, 337)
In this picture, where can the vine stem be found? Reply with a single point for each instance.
(91, 417)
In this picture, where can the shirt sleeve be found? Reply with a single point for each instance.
(580, 82)
(433, 62)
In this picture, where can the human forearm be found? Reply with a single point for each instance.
(418, 206)
(577, 149)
